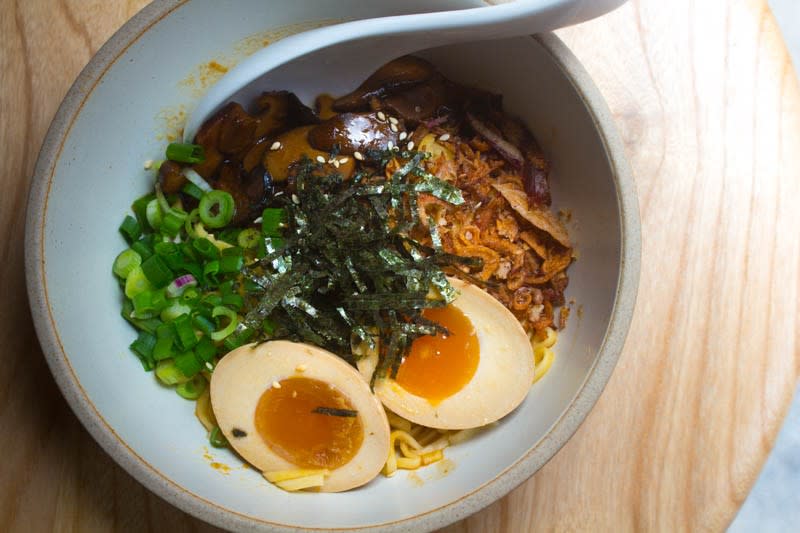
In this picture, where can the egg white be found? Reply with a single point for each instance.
(242, 376)
(501, 381)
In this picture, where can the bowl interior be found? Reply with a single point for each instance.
(99, 171)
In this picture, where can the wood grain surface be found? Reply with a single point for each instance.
(709, 108)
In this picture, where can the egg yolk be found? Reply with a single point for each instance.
(309, 423)
(439, 366)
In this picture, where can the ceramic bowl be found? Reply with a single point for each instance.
(119, 113)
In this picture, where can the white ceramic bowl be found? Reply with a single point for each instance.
(90, 169)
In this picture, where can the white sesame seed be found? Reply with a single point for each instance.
(417, 109)
(276, 146)
(278, 193)
(394, 128)
(444, 137)
(336, 163)
(390, 145)
(294, 394)
(358, 156)
(478, 205)
(259, 220)
(301, 367)
(320, 159)
(410, 145)
(276, 385)
(295, 199)
(148, 164)
(344, 160)
(403, 136)
(394, 121)
(381, 116)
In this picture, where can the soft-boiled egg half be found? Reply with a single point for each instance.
(284, 405)
(471, 377)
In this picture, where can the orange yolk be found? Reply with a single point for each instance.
(286, 420)
(438, 367)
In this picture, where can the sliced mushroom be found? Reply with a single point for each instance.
(392, 77)
(279, 111)
(250, 191)
(354, 132)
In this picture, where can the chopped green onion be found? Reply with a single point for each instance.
(272, 220)
(163, 349)
(168, 373)
(125, 262)
(192, 389)
(203, 324)
(130, 229)
(174, 311)
(231, 263)
(136, 282)
(205, 248)
(217, 439)
(205, 350)
(143, 347)
(157, 271)
(188, 224)
(143, 305)
(216, 209)
(210, 271)
(233, 300)
(248, 238)
(139, 208)
(143, 247)
(221, 311)
(188, 364)
(193, 190)
(153, 214)
(238, 339)
(185, 331)
(185, 153)
(172, 223)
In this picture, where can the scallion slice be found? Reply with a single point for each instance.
(192, 389)
(136, 282)
(185, 153)
(130, 229)
(125, 262)
(157, 271)
(217, 439)
(188, 364)
(143, 347)
(272, 220)
(222, 311)
(168, 373)
(248, 238)
(216, 209)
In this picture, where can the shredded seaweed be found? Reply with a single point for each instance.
(333, 411)
(346, 269)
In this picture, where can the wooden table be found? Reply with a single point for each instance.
(708, 105)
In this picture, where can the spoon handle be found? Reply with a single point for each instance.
(359, 47)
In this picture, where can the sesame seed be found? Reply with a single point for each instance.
(394, 128)
(403, 136)
(410, 145)
(358, 156)
(301, 367)
(294, 395)
(381, 116)
(417, 109)
(478, 205)
(295, 199)
(278, 193)
(344, 160)
(276, 385)
(148, 164)
(390, 145)
(444, 137)
(336, 163)
(394, 121)
(320, 159)
(276, 146)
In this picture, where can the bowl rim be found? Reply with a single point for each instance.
(513, 475)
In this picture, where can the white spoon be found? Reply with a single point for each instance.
(339, 56)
